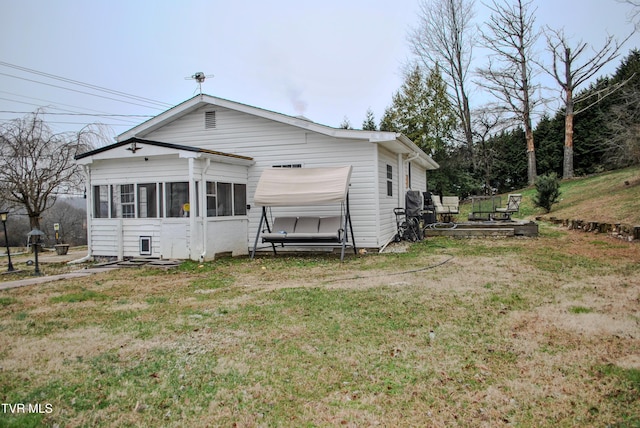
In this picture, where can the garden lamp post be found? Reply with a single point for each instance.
(3, 217)
(34, 238)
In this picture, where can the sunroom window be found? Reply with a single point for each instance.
(239, 199)
(101, 201)
(226, 199)
(147, 200)
(177, 195)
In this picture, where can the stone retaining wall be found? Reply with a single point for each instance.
(616, 230)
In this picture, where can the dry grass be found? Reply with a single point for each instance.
(528, 332)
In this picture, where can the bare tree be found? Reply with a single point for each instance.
(486, 123)
(570, 71)
(444, 38)
(634, 13)
(623, 146)
(36, 165)
(511, 35)
(70, 219)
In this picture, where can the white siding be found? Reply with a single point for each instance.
(235, 130)
(137, 170)
(121, 237)
(104, 237)
(133, 229)
(170, 237)
(269, 143)
(272, 143)
(418, 178)
(387, 203)
(388, 225)
(175, 236)
(222, 236)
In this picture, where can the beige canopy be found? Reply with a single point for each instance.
(280, 187)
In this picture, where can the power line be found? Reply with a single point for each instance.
(54, 105)
(87, 85)
(79, 114)
(85, 123)
(78, 91)
(118, 96)
(51, 104)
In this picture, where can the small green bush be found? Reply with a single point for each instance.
(547, 191)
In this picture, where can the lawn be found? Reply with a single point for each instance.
(483, 332)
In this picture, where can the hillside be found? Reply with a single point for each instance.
(611, 197)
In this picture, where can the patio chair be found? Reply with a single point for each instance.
(513, 206)
(447, 208)
(452, 203)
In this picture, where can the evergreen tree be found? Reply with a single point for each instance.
(345, 124)
(547, 191)
(549, 135)
(369, 123)
(421, 111)
(510, 167)
(590, 129)
(622, 147)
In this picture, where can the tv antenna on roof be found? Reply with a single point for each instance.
(199, 77)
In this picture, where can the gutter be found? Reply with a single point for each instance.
(412, 157)
(411, 145)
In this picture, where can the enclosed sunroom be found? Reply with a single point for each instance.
(150, 198)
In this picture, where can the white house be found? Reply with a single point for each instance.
(181, 185)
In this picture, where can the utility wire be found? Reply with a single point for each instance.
(78, 91)
(78, 114)
(159, 104)
(85, 123)
(55, 106)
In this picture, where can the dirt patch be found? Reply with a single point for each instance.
(629, 362)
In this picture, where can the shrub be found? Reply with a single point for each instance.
(547, 191)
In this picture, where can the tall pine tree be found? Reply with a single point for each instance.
(421, 110)
(369, 123)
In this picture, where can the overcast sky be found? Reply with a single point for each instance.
(324, 60)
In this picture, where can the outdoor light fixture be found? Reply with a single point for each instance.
(3, 217)
(34, 238)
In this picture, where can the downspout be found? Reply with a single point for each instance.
(408, 162)
(203, 210)
(87, 174)
(412, 157)
(192, 211)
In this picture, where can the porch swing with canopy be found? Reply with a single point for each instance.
(302, 187)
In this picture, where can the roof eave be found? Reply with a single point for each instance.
(203, 100)
(183, 151)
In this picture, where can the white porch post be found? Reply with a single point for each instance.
(203, 209)
(192, 210)
(90, 198)
(120, 239)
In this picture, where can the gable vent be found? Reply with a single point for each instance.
(209, 119)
